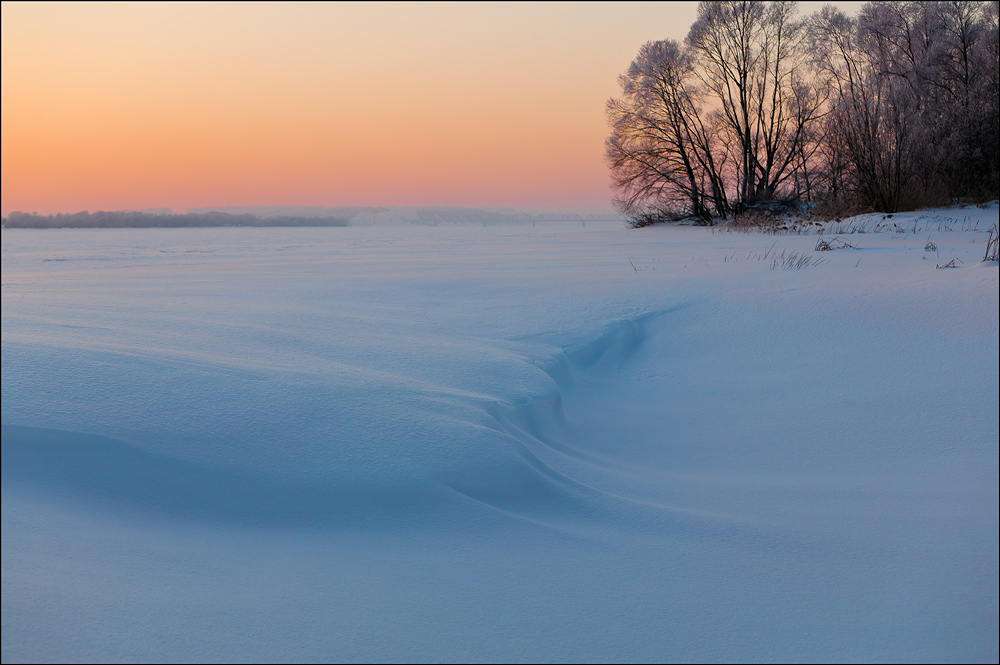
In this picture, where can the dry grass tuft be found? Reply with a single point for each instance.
(795, 261)
(828, 245)
(992, 245)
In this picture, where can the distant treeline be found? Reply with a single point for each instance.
(133, 219)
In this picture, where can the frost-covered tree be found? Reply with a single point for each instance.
(893, 109)
(914, 114)
(720, 122)
(870, 121)
(966, 74)
(660, 150)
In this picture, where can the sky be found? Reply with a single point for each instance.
(110, 106)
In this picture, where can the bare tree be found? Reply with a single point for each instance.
(893, 109)
(966, 74)
(730, 112)
(660, 151)
(753, 65)
(868, 120)
(914, 112)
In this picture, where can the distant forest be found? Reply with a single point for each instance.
(894, 109)
(135, 219)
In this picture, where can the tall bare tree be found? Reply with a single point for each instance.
(869, 119)
(660, 151)
(752, 62)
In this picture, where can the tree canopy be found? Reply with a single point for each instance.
(892, 109)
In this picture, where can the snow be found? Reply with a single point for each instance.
(504, 443)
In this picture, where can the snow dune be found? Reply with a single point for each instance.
(499, 444)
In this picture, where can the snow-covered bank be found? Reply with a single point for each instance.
(498, 444)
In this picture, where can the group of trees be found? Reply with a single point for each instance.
(892, 109)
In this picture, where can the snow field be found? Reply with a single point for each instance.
(499, 444)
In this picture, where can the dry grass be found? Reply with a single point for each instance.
(762, 221)
(827, 245)
(992, 244)
(795, 261)
(639, 220)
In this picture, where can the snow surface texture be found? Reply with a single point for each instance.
(421, 444)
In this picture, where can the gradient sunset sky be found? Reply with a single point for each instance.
(129, 106)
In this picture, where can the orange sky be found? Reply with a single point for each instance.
(117, 106)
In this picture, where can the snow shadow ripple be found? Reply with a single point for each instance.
(128, 480)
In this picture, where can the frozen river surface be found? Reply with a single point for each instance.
(530, 444)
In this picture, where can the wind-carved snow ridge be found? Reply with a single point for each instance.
(130, 480)
(542, 419)
(540, 489)
(127, 479)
